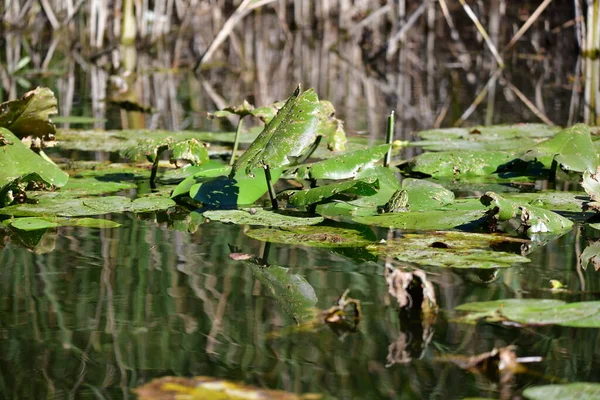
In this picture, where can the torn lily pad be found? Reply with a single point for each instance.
(260, 217)
(451, 250)
(572, 148)
(591, 254)
(534, 219)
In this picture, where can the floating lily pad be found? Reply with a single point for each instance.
(491, 133)
(473, 144)
(572, 148)
(535, 312)
(117, 141)
(359, 187)
(450, 249)
(457, 163)
(76, 120)
(423, 195)
(37, 223)
(228, 192)
(260, 217)
(536, 219)
(314, 236)
(30, 115)
(430, 220)
(243, 110)
(345, 166)
(569, 391)
(87, 206)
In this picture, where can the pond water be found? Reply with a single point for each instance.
(94, 313)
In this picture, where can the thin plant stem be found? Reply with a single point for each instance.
(272, 195)
(527, 24)
(483, 32)
(236, 141)
(389, 139)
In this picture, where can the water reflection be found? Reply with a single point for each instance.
(114, 308)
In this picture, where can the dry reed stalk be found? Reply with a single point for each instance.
(482, 32)
(244, 9)
(536, 111)
(532, 18)
(398, 36)
(479, 99)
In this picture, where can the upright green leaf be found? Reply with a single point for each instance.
(286, 137)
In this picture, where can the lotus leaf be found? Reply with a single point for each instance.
(260, 217)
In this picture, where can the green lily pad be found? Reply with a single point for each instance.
(118, 141)
(359, 187)
(33, 224)
(591, 184)
(423, 195)
(87, 206)
(491, 133)
(19, 164)
(314, 236)
(197, 174)
(457, 163)
(345, 166)
(536, 219)
(572, 148)
(260, 217)
(535, 312)
(190, 150)
(286, 137)
(227, 192)
(511, 145)
(76, 120)
(37, 223)
(417, 220)
(30, 115)
(569, 391)
(450, 250)
(365, 205)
